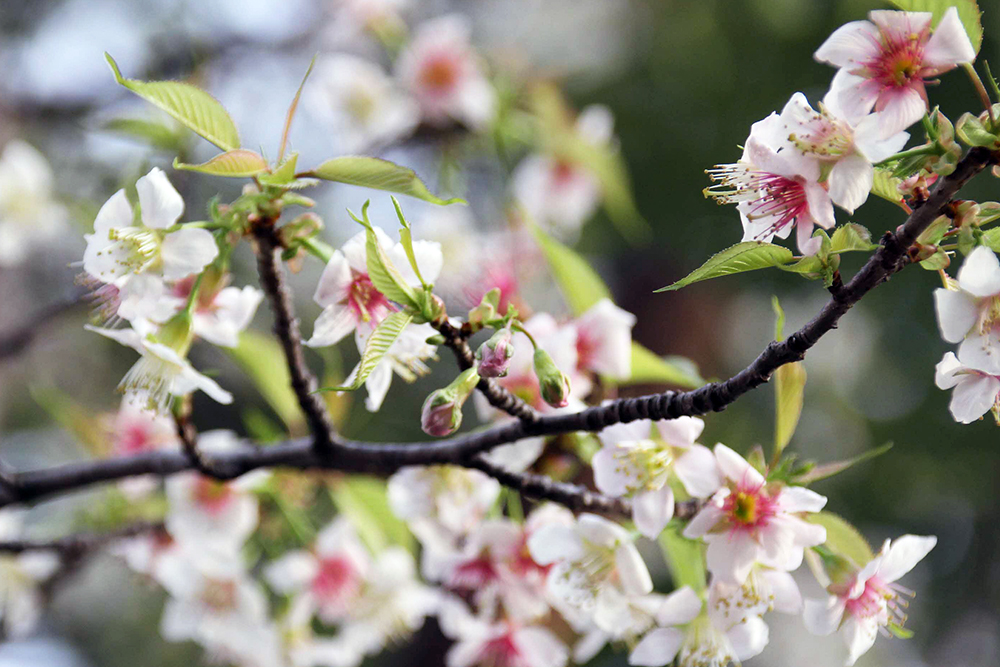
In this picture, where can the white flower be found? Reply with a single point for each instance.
(221, 317)
(137, 430)
(976, 389)
(632, 463)
(764, 590)
(750, 521)
(703, 643)
(885, 63)
(142, 553)
(359, 102)
(120, 249)
(975, 305)
(517, 456)
(604, 340)
(212, 514)
(594, 562)
(774, 188)
(20, 575)
(161, 372)
(443, 73)
(852, 148)
(328, 579)
(406, 358)
(870, 601)
(28, 214)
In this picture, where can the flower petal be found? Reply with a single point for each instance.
(945, 373)
(730, 556)
(187, 251)
(749, 638)
(632, 570)
(657, 648)
(160, 203)
(859, 633)
(899, 108)
(820, 206)
(698, 471)
(680, 607)
(800, 499)
(704, 521)
(903, 555)
(333, 324)
(736, 468)
(822, 617)
(787, 597)
(680, 432)
(555, 542)
(957, 312)
(850, 182)
(949, 45)
(652, 511)
(851, 43)
(980, 273)
(973, 397)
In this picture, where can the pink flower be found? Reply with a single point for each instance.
(751, 521)
(885, 63)
(604, 340)
(974, 375)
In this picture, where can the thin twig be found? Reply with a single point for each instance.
(73, 546)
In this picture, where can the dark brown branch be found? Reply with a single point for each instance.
(286, 327)
(462, 450)
(73, 546)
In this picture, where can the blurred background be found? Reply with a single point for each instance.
(684, 80)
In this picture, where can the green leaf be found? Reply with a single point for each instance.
(364, 501)
(842, 538)
(968, 14)
(685, 558)
(373, 172)
(851, 237)
(939, 260)
(935, 231)
(779, 322)
(831, 469)
(650, 368)
(991, 239)
(378, 344)
(406, 239)
(156, 134)
(284, 174)
(578, 282)
(263, 360)
(384, 275)
(973, 131)
(886, 186)
(240, 163)
(789, 387)
(191, 106)
(746, 256)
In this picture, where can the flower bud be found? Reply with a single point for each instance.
(553, 382)
(494, 355)
(442, 411)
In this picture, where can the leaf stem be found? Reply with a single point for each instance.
(318, 248)
(984, 97)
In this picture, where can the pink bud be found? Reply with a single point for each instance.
(440, 416)
(494, 355)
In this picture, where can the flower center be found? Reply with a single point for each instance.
(368, 304)
(878, 596)
(153, 378)
(500, 652)
(824, 137)
(360, 105)
(474, 574)
(212, 495)
(762, 193)
(900, 60)
(749, 507)
(440, 73)
(647, 463)
(141, 247)
(705, 646)
(336, 580)
(219, 595)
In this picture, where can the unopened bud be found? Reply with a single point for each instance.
(441, 414)
(494, 355)
(553, 382)
(486, 310)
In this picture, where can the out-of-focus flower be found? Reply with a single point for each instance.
(851, 147)
(135, 430)
(706, 641)
(560, 195)
(604, 340)
(885, 62)
(359, 102)
(660, 645)
(632, 463)
(219, 315)
(974, 304)
(444, 74)
(329, 578)
(406, 358)
(29, 216)
(751, 521)
(974, 378)
(774, 189)
(870, 599)
(20, 576)
(142, 553)
(764, 590)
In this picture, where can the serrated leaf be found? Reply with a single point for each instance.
(284, 175)
(648, 367)
(192, 106)
(685, 558)
(968, 14)
(935, 231)
(365, 502)
(378, 345)
(972, 131)
(886, 186)
(384, 275)
(155, 134)
(830, 469)
(851, 237)
(789, 387)
(373, 172)
(406, 239)
(263, 360)
(842, 538)
(746, 256)
(241, 163)
(578, 282)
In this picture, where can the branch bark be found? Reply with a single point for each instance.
(73, 546)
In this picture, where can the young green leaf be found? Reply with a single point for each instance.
(842, 538)
(831, 469)
(291, 110)
(578, 282)
(968, 14)
(406, 239)
(284, 174)
(261, 358)
(378, 345)
(650, 368)
(685, 558)
(886, 186)
(974, 131)
(746, 256)
(789, 387)
(191, 106)
(365, 501)
(241, 163)
(779, 321)
(851, 237)
(373, 172)
(384, 276)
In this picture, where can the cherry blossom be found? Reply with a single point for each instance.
(972, 303)
(406, 357)
(359, 102)
(134, 430)
(774, 188)
(974, 379)
(752, 521)
(604, 340)
(21, 574)
(443, 73)
(220, 315)
(852, 148)
(29, 216)
(632, 463)
(869, 601)
(764, 590)
(886, 62)
(329, 578)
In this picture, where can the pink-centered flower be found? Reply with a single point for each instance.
(752, 521)
(869, 602)
(974, 378)
(604, 340)
(971, 305)
(774, 188)
(885, 63)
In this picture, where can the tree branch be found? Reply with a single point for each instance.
(17, 340)
(73, 546)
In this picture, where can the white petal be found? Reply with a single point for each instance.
(160, 203)
(787, 598)
(822, 617)
(598, 530)
(611, 476)
(704, 521)
(869, 142)
(808, 244)
(973, 397)
(945, 375)
(860, 634)
(335, 280)
(540, 648)
(748, 638)
(333, 324)
(800, 499)
(980, 273)
(632, 570)
(114, 214)
(854, 96)
(652, 511)
(640, 429)
(698, 471)
(292, 572)
(189, 380)
(146, 296)
(657, 648)
(851, 181)
(981, 352)
(377, 385)
(820, 206)
(680, 432)
(851, 43)
(903, 555)
(949, 45)
(187, 251)
(899, 108)
(730, 556)
(232, 310)
(736, 468)
(957, 312)
(555, 542)
(127, 337)
(680, 607)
